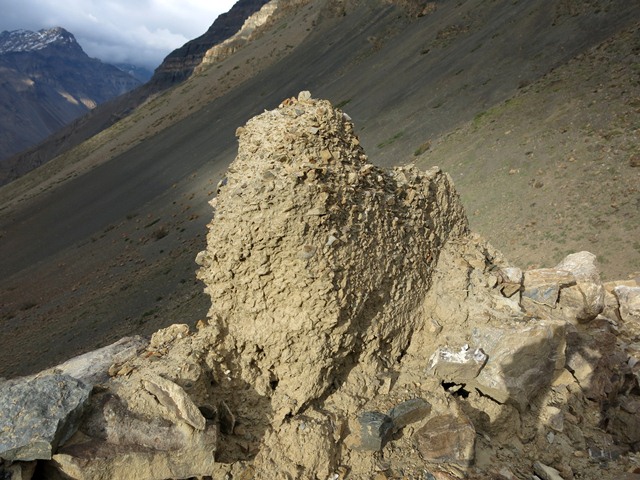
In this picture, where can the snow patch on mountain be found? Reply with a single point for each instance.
(28, 41)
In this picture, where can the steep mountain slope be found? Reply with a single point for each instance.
(180, 63)
(176, 67)
(557, 166)
(132, 201)
(47, 81)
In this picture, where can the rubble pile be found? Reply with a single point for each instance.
(357, 330)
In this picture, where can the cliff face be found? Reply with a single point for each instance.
(180, 63)
(47, 81)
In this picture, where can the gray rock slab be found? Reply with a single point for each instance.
(523, 360)
(375, 430)
(39, 413)
(93, 367)
(408, 412)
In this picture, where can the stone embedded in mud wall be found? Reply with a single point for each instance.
(175, 399)
(448, 438)
(316, 259)
(460, 365)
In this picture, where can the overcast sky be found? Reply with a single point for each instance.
(141, 32)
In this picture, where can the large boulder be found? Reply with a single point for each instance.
(38, 414)
(147, 429)
(523, 359)
(571, 291)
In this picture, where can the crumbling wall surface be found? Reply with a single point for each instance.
(316, 259)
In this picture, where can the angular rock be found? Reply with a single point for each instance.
(168, 335)
(583, 301)
(545, 472)
(375, 430)
(457, 366)
(117, 443)
(624, 422)
(523, 360)
(542, 287)
(175, 399)
(226, 418)
(93, 367)
(510, 280)
(38, 414)
(595, 362)
(410, 411)
(553, 418)
(629, 303)
(448, 438)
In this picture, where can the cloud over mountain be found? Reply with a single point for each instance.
(142, 33)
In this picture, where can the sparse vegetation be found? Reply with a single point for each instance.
(152, 223)
(391, 140)
(422, 148)
(160, 232)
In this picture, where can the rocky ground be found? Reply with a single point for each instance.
(357, 329)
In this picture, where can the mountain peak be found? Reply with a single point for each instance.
(28, 41)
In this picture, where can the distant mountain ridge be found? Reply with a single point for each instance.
(180, 63)
(141, 73)
(176, 68)
(47, 81)
(28, 41)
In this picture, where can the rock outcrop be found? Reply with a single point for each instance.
(180, 63)
(317, 260)
(359, 330)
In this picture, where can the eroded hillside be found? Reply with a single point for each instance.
(131, 203)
